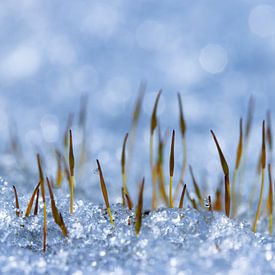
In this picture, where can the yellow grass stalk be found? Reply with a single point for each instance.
(182, 196)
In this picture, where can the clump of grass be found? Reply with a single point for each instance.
(263, 164)
(226, 177)
(72, 180)
(171, 169)
(139, 208)
(104, 192)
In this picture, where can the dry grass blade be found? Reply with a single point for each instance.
(226, 176)
(123, 173)
(29, 207)
(68, 126)
(270, 200)
(17, 207)
(35, 211)
(56, 214)
(237, 164)
(182, 196)
(171, 168)
(182, 120)
(104, 191)
(129, 202)
(263, 163)
(41, 180)
(138, 105)
(183, 135)
(193, 201)
(71, 164)
(209, 203)
(139, 209)
(196, 186)
(218, 201)
(269, 136)
(249, 118)
(154, 114)
(59, 174)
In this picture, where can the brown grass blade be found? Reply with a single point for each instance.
(59, 174)
(138, 105)
(104, 191)
(171, 168)
(139, 208)
(249, 119)
(240, 146)
(218, 201)
(226, 176)
(71, 164)
(17, 207)
(263, 163)
(193, 202)
(129, 202)
(29, 207)
(35, 212)
(182, 120)
(269, 136)
(154, 114)
(209, 203)
(196, 186)
(41, 181)
(56, 214)
(263, 159)
(182, 196)
(68, 126)
(270, 200)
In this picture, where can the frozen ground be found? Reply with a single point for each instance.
(216, 53)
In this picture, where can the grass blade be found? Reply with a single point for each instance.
(263, 163)
(182, 196)
(237, 164)
(35, 212)
(171, 169)
(139, 208)
(41, 180)
(226, 176)
(196, 186)
(29, 207)
(17, 207)
(104, 192)
(56, 214)
(72, 181)
(270, 200)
